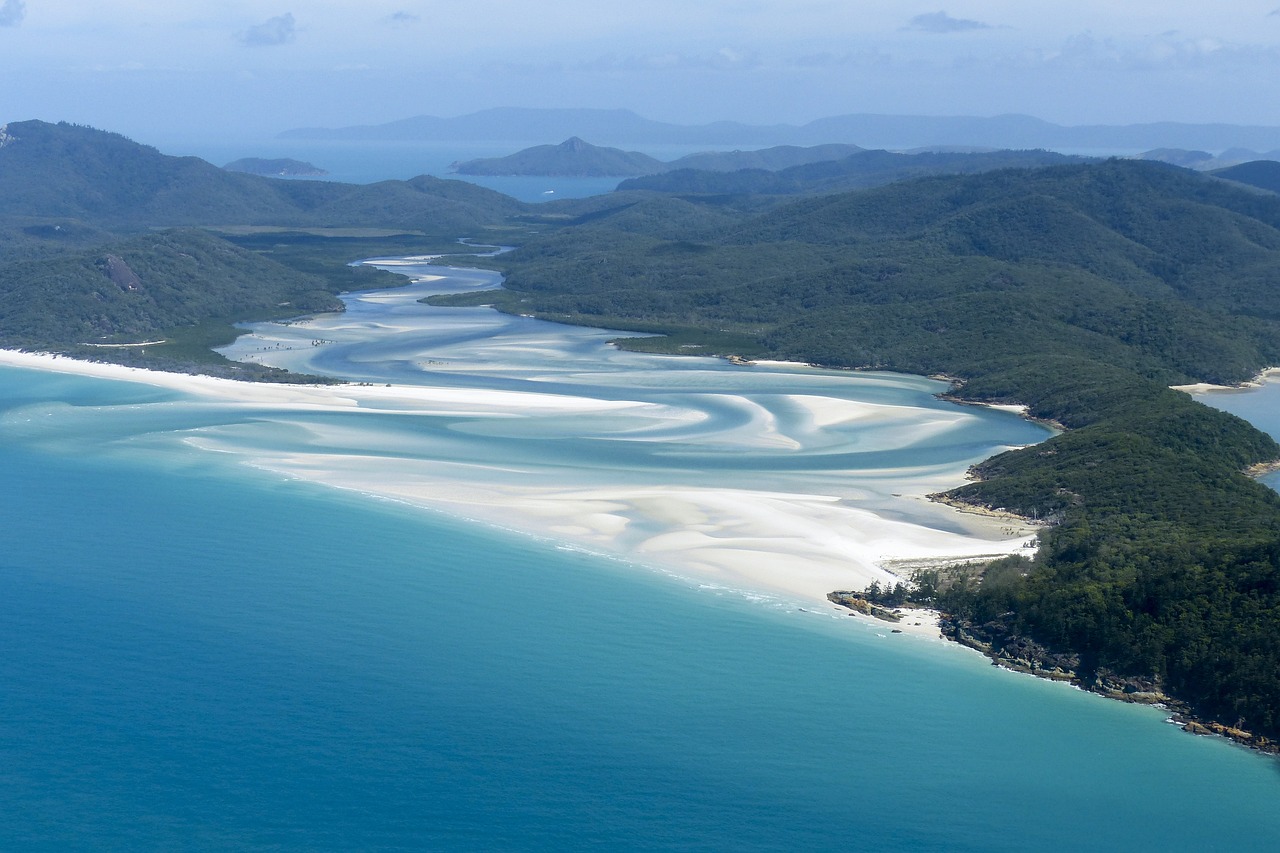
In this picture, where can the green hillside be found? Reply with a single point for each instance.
(571, 158)
(84, 260)
(769, 159)
(1263, 174)
(67, 173)
(856, 171)
(1081, 291)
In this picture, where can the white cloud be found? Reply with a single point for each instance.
(281, 29)
(941, 22)
(12, 12)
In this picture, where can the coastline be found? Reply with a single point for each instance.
(1261, 379)
(1257, 381)
(797, 546)
(1017, 653)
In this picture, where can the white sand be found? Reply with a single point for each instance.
(1262, 378)
(795, 545)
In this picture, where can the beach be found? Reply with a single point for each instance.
(258, 613)
(795, 544)
(775, 479)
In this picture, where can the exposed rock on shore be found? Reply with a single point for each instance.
(1005, 648)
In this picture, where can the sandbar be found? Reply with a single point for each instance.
(794, 545)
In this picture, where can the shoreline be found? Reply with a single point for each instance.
(1258, 469)
(1260, 379)
(1016, 653)
(796, 545)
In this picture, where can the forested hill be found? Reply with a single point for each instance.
(83, 262)
(858, 170)
(573, 157)
(1163, 271)
(1263, 174)
(1079, 290)
(94, 178)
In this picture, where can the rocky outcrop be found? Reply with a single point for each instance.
(857, 602)
(1240, 736)
(1006, 648)
(120, 273)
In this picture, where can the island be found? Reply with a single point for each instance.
(275, 168)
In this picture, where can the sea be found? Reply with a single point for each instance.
(364, 162)
(204, 652)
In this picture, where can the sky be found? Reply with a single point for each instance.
(159, 69)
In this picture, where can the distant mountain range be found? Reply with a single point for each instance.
(623, 127)
(1203, 161)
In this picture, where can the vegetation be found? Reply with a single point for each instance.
(1263, 174)
(1083, 291)
(278, 167)
(1080, 290)
(703, 175)
(573, 158)
(84, 270)
(59, 174)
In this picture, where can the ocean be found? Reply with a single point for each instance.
(207, 649)
(365, 162)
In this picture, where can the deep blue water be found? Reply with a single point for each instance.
(198, 656)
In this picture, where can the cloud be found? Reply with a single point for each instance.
(941, 22)
(12, 12)
(281, 29)
(403, 19)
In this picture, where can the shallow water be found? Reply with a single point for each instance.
(202, 655)
(558, 432)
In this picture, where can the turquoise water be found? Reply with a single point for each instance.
(202, 655)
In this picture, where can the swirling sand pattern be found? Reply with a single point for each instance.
(775, 477)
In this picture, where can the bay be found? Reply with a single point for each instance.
(1259, 405)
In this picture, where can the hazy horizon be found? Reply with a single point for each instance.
(253, 69)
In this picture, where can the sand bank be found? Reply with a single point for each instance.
(790, 544)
